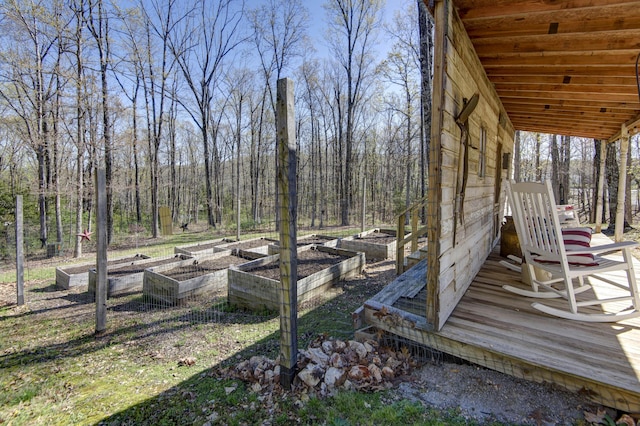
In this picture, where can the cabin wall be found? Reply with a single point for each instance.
(460, 243)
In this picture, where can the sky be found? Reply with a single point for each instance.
(318, 24)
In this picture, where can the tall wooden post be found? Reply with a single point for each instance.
(622, 183)
(101, 255)
(363, 219)
(19, 251)
(287, 159)
(600, 190)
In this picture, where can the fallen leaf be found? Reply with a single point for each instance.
(188, 361)
(595, 418)
(626, 420)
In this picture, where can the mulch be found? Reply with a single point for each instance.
(200, 247)
(249, 244)
(71, 270)
(309, 262)
(137, 268)
(198, 268)
(378, 238)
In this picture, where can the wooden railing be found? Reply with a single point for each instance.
(413, 212)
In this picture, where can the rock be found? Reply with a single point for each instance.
(339, 346)
(359, 348)
(377, 361)
(268, 376)
(311, 375)
(334, 377)
(317, 356)
(256, 387)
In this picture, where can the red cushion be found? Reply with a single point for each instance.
(575, 239)
(578, 239)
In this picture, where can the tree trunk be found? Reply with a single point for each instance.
(516, 157)
(555, 166)
(537, 158)
(612, 174)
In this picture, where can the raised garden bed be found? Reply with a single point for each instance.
(377, 244)
(307, 240)
(129, 278)
(256, 285)
(78, 275)
(201, 248)
(207, 273)
(255, 245)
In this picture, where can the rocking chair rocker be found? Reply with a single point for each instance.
(543, 246)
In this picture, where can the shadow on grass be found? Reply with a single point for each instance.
(212, 396)
(188, 401)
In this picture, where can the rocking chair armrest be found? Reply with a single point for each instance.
(607, 248)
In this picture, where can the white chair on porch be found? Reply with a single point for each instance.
(543, 246)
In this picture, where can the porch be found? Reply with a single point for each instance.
(501, 331)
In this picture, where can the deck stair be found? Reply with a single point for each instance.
(416, 257)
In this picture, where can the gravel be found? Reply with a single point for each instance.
(485, 395)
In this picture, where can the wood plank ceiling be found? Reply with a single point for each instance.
(560, 67)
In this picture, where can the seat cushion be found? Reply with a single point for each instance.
(575, 239)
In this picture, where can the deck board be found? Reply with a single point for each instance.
(500, 330)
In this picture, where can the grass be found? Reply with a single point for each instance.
(54, 370)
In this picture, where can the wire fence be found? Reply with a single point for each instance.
(202, 295)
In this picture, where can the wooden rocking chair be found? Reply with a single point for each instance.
(543, 246)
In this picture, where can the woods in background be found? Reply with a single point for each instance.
(175, 99)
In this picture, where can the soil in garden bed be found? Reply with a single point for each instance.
(183, 273)
(136, 269)
(200, 247)
(378, 238)
(308, 241)
(85, 268)
(245, 245)
(309, 262)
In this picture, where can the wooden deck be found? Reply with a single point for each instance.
(500, 330)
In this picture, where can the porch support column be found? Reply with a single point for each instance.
(600, 190)
(622, 183)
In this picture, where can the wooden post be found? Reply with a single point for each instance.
(414, 229)
(622, 183)
(287, 160)
(364, 204)
(19, 251)
(101, 248)
(238, 216)
(600, 190)
(400, 247)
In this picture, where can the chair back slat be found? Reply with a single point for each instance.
(536, 219)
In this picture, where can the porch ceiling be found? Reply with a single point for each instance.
(560, 67)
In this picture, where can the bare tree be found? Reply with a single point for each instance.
(278, 35)
(206, 34)
(98, 24)
(401, 68)
(353, 24)
(29, 61)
